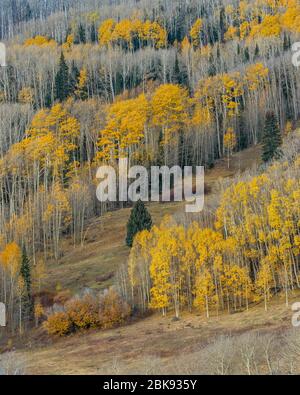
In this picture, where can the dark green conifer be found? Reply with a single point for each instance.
(62, 80)
(139, 220)
(271, 138)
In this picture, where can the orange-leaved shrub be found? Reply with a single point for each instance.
(83, 312)
(58, 324)
(113, 310)
(89, 312)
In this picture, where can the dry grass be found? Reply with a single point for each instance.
(147, 345)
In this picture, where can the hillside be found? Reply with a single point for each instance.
(92, 278)
(149, 344)
(193, 345)
(104, 248)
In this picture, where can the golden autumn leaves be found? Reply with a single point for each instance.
(263, 19)
(252, 249)
(128, 30)
(171, 110)
(253, 21)
(115, 33)
(50, 139)
(256, 20)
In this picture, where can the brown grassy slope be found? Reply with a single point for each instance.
(94, 264)
(154, 344)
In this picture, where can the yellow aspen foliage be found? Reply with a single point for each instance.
(81, 87)
(230, 142)
(155, 34)
(232, 90)
(52, 135)
(244, 30)
(10, 258)
(160, 274)
(270, 27)
(39, 41)
(264, 283)
(170, 110)
(288, 128)
(165, 270)
(186, 46)
(202, 115)
(204, 291)
(195, 33)
(256, 76)
(26, 96)
(291, 18)
(274, 209)
(123, 31)
(231, 33)
(69, 42)
(237, 285)
(252, 249)
(125, 127)
(243, 9)
(138, 29)
(106, 32)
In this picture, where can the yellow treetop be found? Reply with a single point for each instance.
(195, 32)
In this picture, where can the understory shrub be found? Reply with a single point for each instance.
(106, 311)
(113, 310)
(83, 313)
(58, 324)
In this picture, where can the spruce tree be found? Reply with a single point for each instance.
(139, 220)
(81, 34)
(180, 74)
(93, 33)
(271, 138)
(246, 54)
(223, 27)
(62, 83)
(177, 75)
(286, 42)
(25, 273)
(73, 78)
